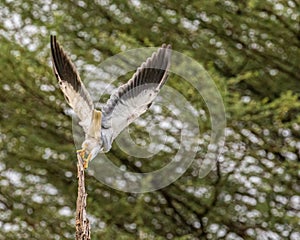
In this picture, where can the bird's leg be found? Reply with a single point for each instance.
(81, 152)
(86, 161)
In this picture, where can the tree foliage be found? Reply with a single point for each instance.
(250, 48)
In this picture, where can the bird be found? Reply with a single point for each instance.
(131, 99)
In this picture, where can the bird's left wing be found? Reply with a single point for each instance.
(135, 97)
(71, 85)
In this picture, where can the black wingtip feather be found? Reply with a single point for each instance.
(63, 66)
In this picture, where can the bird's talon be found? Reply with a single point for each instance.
(81, 153)
(85, 164)
(86, 161)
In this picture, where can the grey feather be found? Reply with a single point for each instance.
(134, 98)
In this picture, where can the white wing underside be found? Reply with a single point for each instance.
(80, 106)
(129, 110)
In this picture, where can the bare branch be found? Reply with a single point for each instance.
(82, 222)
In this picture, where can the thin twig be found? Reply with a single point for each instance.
(82, 222)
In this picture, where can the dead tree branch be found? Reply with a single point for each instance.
(82, 222)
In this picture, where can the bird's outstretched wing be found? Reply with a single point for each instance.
(69, 81)
(135, 97)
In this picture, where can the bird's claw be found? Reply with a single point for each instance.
(86, 161)
(81, 153)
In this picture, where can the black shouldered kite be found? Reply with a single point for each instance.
(124, 106)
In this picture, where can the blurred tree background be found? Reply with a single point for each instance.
(252, 51)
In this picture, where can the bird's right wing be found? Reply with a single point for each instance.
(135, 97)
(71, 85)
